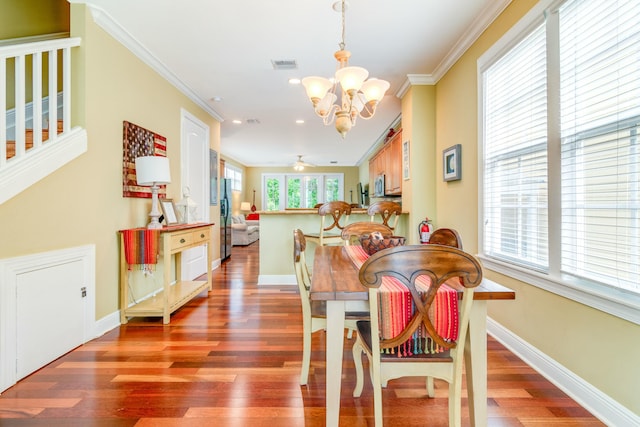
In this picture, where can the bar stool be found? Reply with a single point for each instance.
(339, 213)
(387, 211)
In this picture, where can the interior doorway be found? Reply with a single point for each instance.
(194, 176)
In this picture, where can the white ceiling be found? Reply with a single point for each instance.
(213, 48)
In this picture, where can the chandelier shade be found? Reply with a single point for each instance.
(351, 78)
(358, 96)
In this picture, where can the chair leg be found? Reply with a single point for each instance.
(306, 353)
(349, 333)
(357, 360)
(377, 396)
(430, 390)
(455, 400)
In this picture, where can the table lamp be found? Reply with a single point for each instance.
(245, 206)
(153, 171)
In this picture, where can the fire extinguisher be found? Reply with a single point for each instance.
(424, 230)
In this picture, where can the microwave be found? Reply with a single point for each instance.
(378, 186)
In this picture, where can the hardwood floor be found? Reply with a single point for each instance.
(233, 359)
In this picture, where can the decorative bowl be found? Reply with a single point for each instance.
(372, 243)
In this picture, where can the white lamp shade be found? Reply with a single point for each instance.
(323, 107)
(357, 103)
(245, 206)
(316, 87)
(374, 89)
(351, 78)
(152, 170)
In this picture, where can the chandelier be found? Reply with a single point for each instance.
(358, 98)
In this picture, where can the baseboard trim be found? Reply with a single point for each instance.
(276, 279)
(106, 324)
(602, 406)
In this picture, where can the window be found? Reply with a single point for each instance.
(301, 191)
(560, 152)
(235, 175)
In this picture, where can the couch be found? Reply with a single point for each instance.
(244, 231)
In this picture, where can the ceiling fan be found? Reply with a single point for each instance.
(299, 165)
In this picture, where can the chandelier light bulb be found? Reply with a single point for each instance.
(351, 78)
(316, 87)
(374, 89)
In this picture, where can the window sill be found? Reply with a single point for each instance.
(617, 302)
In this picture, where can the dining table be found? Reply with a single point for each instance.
(335, 280)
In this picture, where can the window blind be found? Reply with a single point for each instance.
(515, 155)
(600, 116)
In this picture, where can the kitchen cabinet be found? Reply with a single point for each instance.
(388, 162)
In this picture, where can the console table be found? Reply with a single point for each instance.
(173, 240)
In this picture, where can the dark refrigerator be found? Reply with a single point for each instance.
(225, 218)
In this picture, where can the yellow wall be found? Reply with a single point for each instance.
(418, 127)
(600, 348)
(24, 18)
(82, 203)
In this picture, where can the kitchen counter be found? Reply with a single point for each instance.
(276, 240)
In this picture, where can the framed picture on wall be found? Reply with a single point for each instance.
(451, 163)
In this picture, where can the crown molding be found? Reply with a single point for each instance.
(479, 25)
(106, 22)
(415, 80)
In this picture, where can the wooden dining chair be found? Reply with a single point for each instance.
(416, 344)
(314, 313)
(447, 237)
(388, 211)
(333, 217)
(353, 231)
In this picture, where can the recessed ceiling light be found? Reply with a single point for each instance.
(299, 121)
(216, 99)
(237, 122)
(294, 81)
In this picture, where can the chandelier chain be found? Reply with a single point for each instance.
(342, 43)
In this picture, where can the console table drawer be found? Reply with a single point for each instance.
(181, 240)
(201, 236)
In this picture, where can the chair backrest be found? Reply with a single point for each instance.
(339, 212)
(356, 229)
(409, 264)
(300, 263)
(447, 237)
(387, 210)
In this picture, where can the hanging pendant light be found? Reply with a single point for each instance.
(359, 97)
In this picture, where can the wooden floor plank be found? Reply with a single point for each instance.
(233, 357)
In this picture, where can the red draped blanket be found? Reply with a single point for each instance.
(141, 248)
(394, 297)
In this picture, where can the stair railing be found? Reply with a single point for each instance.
(22, 53)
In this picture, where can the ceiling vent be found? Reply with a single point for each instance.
(253, 121)
(284, 64)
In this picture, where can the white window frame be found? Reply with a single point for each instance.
(235, 175)
(614, 301)
(283, 178)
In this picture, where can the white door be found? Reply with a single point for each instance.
(195, 176)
